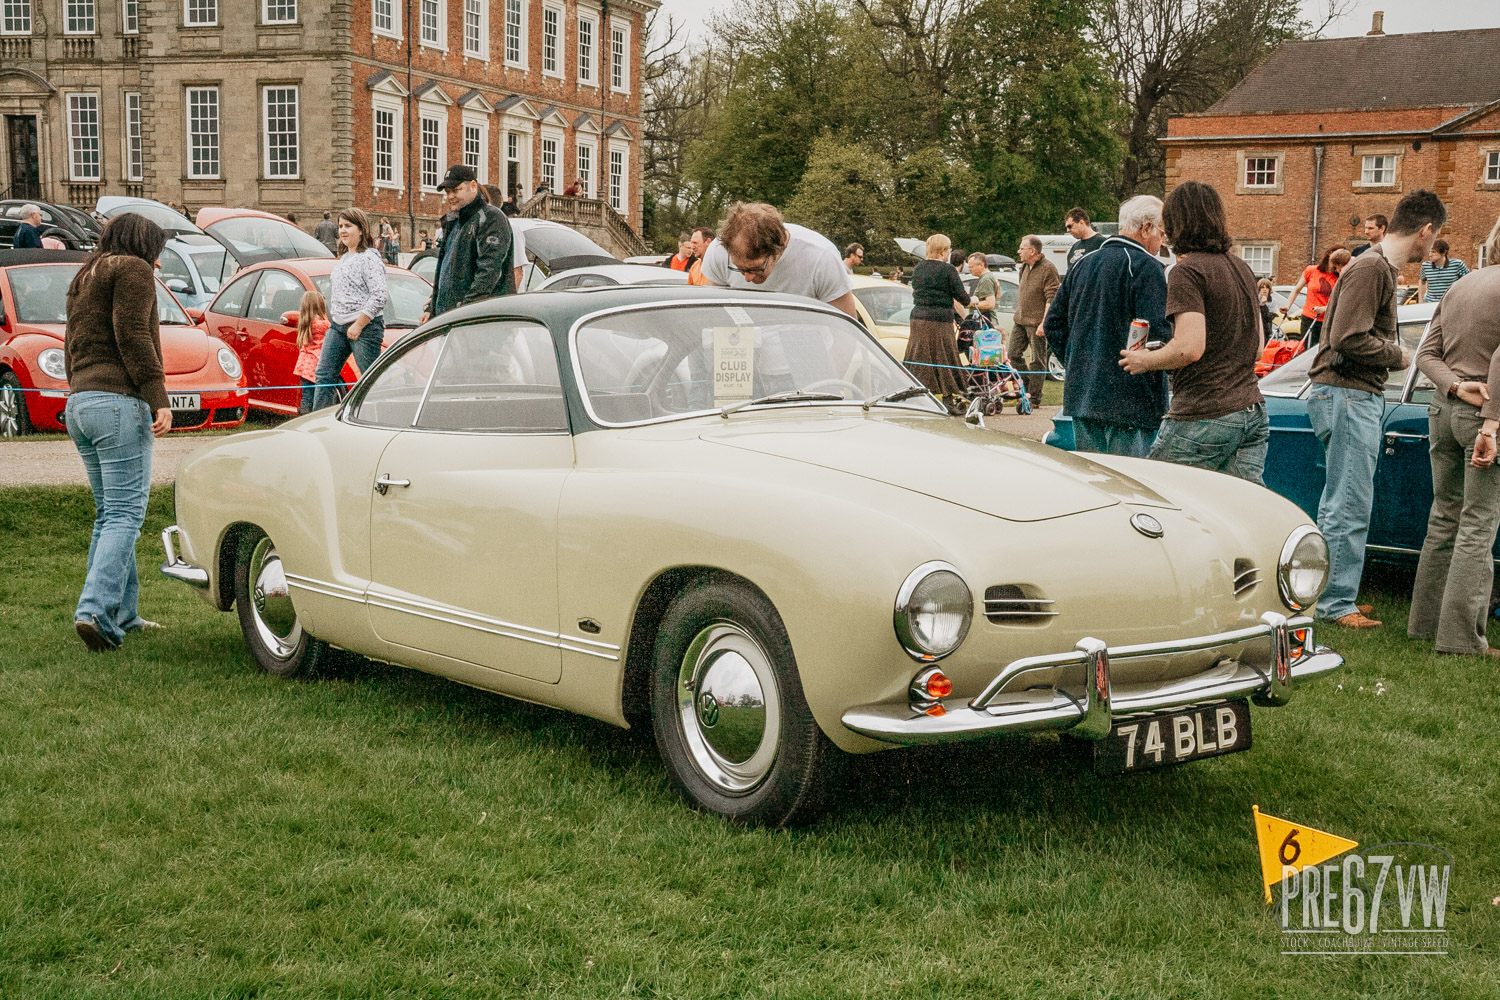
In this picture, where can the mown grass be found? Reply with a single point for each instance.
(175, 824)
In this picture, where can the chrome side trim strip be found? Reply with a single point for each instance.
(448, 620)
(313, 582)
(448, 610)
(320, 590)
(588, 652)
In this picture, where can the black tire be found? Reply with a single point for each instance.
(1055, 370)
(761, 764)
(15, 420)
(267, 619)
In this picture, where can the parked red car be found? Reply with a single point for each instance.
(256, 313)
(205, 380)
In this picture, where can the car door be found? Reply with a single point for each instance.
(1403, 478)
(271, 345)
(464, 521)
(225, 315)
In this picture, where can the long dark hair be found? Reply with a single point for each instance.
(128, 235)
(1193, 216)
(361, 221)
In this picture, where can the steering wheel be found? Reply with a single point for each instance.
(832, 383)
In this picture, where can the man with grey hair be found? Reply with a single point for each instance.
(28, 233)
(1039, 283)
(1088, 324)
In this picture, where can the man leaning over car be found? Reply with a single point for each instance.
(475, 258)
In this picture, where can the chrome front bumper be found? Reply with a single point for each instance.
(185, 572)
(1262, 662)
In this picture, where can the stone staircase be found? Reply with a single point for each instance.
(591, 216)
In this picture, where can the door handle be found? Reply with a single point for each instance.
(1398, 436)
(385, 482)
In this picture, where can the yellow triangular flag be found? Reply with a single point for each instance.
(1286, 845)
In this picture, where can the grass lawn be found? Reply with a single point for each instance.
(175, 824)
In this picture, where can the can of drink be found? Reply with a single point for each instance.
(1139, 330)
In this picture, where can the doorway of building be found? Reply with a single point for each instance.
(25, 168)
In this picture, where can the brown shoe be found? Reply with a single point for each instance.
(1364, 609)
(1356, 619)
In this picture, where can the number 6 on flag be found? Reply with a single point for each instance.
(1286, 845)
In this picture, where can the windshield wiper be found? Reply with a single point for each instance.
(790, 396)
(897, 396)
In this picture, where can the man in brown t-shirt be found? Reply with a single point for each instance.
(1217, 419)
(1346, 404)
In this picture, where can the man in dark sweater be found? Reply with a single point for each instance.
(28, 233)
(477, 249)
(1113, 411)
(1347, 401)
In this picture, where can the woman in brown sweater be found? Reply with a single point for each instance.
(117, 401)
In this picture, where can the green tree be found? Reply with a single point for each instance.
(849, 193)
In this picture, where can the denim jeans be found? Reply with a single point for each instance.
(1235, 443)
(305, 405)
(1111, 439)
(113, 436)
(1347, 423)
(336, 350)
(1450, 600)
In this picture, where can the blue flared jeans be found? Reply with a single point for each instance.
(113, 436)
(1347, 423)
(336, 350)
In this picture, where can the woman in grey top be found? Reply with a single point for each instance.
(356, 306)
(1450, 599)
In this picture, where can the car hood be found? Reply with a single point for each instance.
(183, 348)
(984, 470)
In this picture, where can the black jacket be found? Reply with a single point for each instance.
(27, 235)
(481, 260)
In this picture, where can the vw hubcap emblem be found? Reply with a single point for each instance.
(708, 710)
(1147, 525)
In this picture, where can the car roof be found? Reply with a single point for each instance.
(313, 267)
(16, 258)
(626, 273)
(212, 214)
(561, 311)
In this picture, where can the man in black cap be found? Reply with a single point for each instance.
(475, 255)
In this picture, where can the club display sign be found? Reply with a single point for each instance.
(734, 364)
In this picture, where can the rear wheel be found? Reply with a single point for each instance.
(1055, 370)
(267, 618)
(14, 420)
(728, 712)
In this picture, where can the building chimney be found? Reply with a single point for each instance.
(1377, 23)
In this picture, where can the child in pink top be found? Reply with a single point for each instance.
(312, 324)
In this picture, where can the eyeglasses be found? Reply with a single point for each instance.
(758, 270)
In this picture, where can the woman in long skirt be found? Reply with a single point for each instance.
(932, 349)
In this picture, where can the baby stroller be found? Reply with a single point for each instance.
(993, 381)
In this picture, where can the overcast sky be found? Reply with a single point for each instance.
(1400, 15)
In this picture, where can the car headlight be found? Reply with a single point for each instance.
(230, 362)
(53, 363)
(1303, 570)
(933, 611)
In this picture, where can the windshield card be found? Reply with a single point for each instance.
(739, 316)
(734, 364)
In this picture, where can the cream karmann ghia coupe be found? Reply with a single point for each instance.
(735, 517)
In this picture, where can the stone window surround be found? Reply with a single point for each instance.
(622, 147)
(217, 22)
(73, 157)
(397, 108)
(483, 52)
(395, 29)
(94, 18)
(560, 72)
(133, 160)
(265, 134)
(30, 22)
(1485, 152)
(189, 168)
(1358, 154)
(591, 16)
(481, 121)
(265, 9)
(1241, 155)
(441, 44)
(619, 24)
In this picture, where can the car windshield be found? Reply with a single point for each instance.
(653, 363)
(887, 306)
(274, 235)
(160, 214)
(41, 295)
(215, 267)
(406, 296)
(1292, 378)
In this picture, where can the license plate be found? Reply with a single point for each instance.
(1147, 741)
(184, 401)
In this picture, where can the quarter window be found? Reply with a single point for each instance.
(1378, 170)
(1260, 259)
(83, 136)
(1260, 171)
(202, 13)
(391, 399)
(79, 17)
(496, 377)
(203, 131)
(283, 153)
(15, 17)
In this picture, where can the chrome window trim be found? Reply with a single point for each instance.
(810, 305)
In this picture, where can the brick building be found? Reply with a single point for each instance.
(310, 105)
(1326, 132)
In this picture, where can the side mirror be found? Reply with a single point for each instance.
(179, 287)
(193, 313)
(291, 318)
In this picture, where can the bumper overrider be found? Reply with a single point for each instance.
(175, 567)
(1262, 662)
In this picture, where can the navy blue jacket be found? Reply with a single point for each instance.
(1088, 323)
(26, 236)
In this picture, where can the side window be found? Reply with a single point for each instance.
(173, 269)
(231, 302)
(1010, 295)
(567, 282)
(594, 281)
(391, 399)
(499, 377)
(278, 293)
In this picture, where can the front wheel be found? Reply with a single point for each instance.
(1055, 370)
(14, 420)
(267, 618)
(728, 712)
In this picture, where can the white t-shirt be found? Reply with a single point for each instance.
(810, 265)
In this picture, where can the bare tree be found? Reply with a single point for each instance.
(1174, 57)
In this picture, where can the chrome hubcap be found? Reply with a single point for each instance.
(730, 707)
(10, 411)
(271, 602)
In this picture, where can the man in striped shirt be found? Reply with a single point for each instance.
(1438, 272)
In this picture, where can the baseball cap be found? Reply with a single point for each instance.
(456, 175)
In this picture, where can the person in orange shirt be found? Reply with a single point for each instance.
(683, 258)
(698, 243)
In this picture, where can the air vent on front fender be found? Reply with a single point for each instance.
(1246, 576)
(1009, 604)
